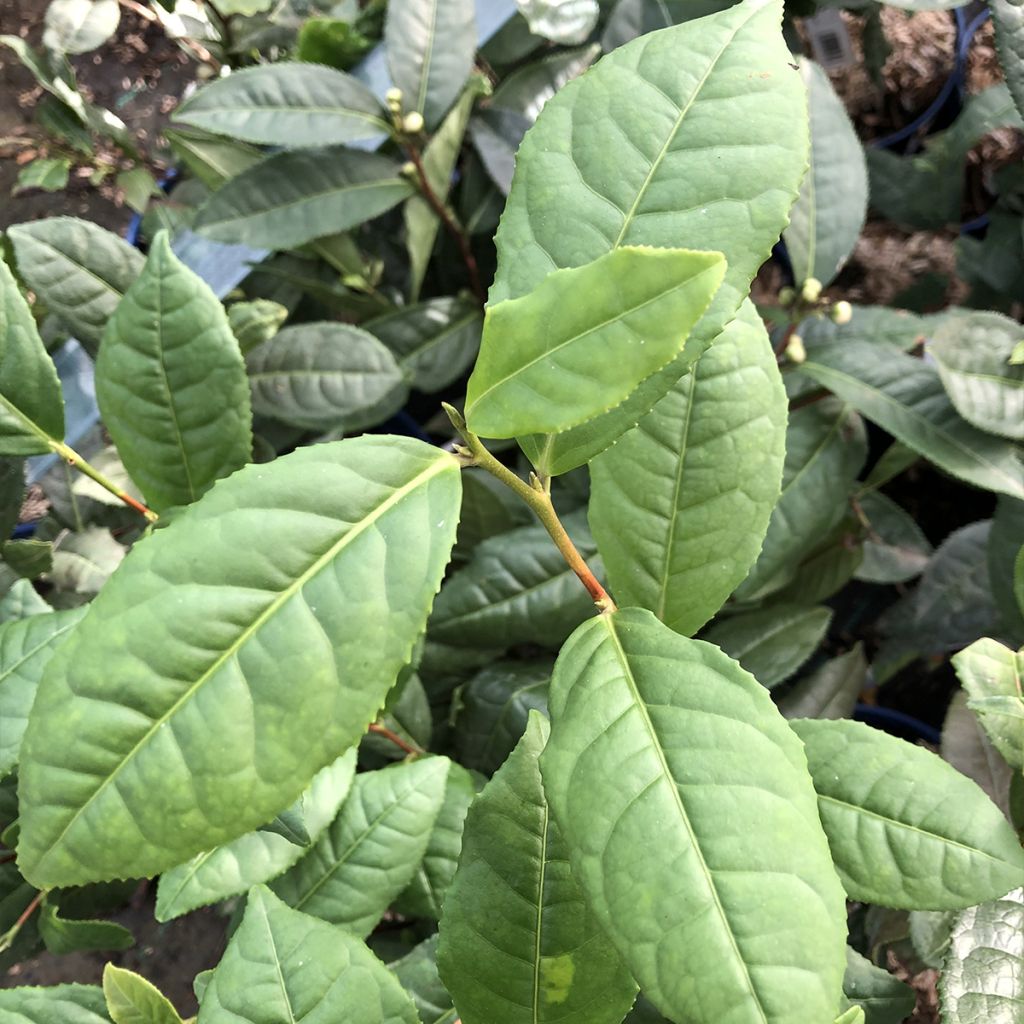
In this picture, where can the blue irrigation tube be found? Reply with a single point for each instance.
(897, 721)
(222, 267)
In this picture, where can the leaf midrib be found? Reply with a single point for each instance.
(608, 622)
(436, 467)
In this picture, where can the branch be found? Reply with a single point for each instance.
(382, 730)
(72, 458)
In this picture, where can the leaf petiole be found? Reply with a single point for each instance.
(72, 458)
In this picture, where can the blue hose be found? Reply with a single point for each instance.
(897, 721)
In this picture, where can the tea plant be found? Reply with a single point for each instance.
(541, 787)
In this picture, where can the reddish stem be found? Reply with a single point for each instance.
(382, 730)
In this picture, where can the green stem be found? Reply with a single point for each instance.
(72, 458)
(537, 496)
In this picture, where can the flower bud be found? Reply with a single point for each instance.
(408, 169)
(787, 296)
(795, 351)
(811, 290)
(393, 98)
(412, 123)
(841, 313)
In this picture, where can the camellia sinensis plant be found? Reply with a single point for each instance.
(223, 712)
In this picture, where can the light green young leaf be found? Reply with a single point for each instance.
(434, 342)
(253, 323)
(371, 851)
(256, 857)
(21, 601)
(78, 26)
(47, 174)
(992, 675)
(659, 742)
(493, 709)
(281, 965)
(292, 198)
(171, 384)
(426, 893)
(327, 612)
(982, 981)
(62, 935)
(973, 354)
(430, 46)
(324, 376)
(131, 999)
(560, 21)
(518, 942)
(771, 643)
(516, 589)
(80, 271)
(827, 218)
(905, 396)
(826, 446)
(31, 405)
(631, 154)
(830, 691)
(883, 998)
(547, 364)
(906, 829)
(26, 645)
(290, 104)
(56, 1004)
(680, 503)
(439, 157)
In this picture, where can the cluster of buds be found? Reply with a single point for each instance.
(404, 124)
(807, 302)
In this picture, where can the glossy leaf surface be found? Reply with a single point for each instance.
(680, 504)
(547, 364)
(906, 830)
(326, 614)
(289, 104)
(171, 383)
(370, 852)
(79, 270)
(55, 1004)
(663, 743)
(992, 676)
(131, 999)
(282, 965)
(689, 137)
(518, 942)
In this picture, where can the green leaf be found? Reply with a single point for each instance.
(171, 383)
(50, 175)
(659, 742)
(80, 271)
(771, 643)
(883, 998)
(434, 342)
(83, 562)
(421, 221)
(895, 548)
(830, 691)
(131, 999)
(631, 154)
(26, 645)
(290, 825)
(681, 503)
(78, 26)
(973, 354)
(28, 558)
(71, 936)
(417, 974)
(494, 707)
(560, 21)
(12, 493)
(518, 943)
(371, 851)
(430, 46)
(906, 830)
(324, 376)
(21, 601)
(256, 857)
(211, 158)
(966, 746)
(287, 104)
(429, 887)
(1005, 544)
(253, 323)
(982, 981)
(281, 965)
(292, 587)
(31, 406)
(905, 396)
(854, 1015)
(547, 364)
(57, 1004)
(826, 446)
(488, 508)
(517, 588)
(828, 215)
(138, 186)
(529, 87)
(991, 674)
(1009, 24)
(291, 198)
